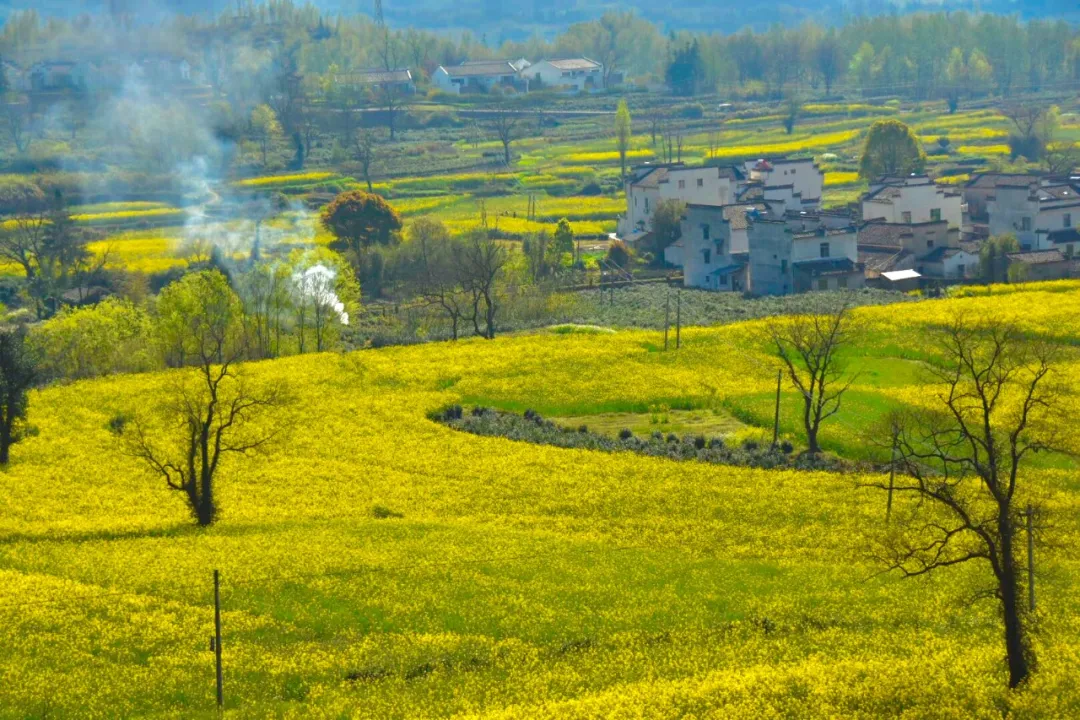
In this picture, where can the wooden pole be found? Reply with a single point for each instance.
(667, 317)
(1031, 560)
(217, 640)
(776, 415)
(678, 320)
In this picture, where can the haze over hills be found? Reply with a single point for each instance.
(498, 21)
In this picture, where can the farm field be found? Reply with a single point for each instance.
(571, 173)
(378, 564)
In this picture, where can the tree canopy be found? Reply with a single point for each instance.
(358, 220)
(891, 149)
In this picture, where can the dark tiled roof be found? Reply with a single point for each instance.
(1069, 235)
(883, 234)
(987, 181)
(827, 266)
(939, 254)
(1037, 257)
(880, 259)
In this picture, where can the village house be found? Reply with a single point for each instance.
(981, 187)
(802, 179)
(912, 200)
(826, 259)
(479, 76)
(933, 249)
(59, 76)
(735, 248)
(647, 185)
(1035, 265)
(400, 80)
(1030, 210)
(580, 74)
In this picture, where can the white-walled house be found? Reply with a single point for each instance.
(1032, 211)
(826, 259)
(912, 200)
(478, 76)
(804, 178)
(648, 185)
(400, 80)
(714, 256)
(581, 74)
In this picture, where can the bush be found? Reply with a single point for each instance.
(692, 111)
(750, 445)
(699, 442)
(786, 447)
(625, 434)
(381, 512)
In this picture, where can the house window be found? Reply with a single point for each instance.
(701, 182)
(708, 256)
(823, 284)
(783, 266)
(704, 232)
(824, 249)
(1025, 224)
(646, 206)
(841, 282)
(905, 217)
(1067, 220)
(960, 271)
(682, 184)
(935, 215)
(793, 171)
(929, 243)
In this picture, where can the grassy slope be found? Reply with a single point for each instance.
(522, 581)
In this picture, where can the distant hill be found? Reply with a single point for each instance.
(497, 20)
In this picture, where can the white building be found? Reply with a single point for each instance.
(478, 76)
(912, 200)
(648, 185)
(1032, 211)
(581, 74)
(802, 178)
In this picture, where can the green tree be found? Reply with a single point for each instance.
(564, 238)
(618, 254)
(18, 372)
(792, 109)
(622, 134)
(666, 229)
(993, 265)
(210, 412)
(891, 148)
(113, 336)
(359, 220)
(265, 128)
(862, 67)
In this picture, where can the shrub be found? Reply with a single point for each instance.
(625, 434)
(692, 111)
(786, 447)
(750, 445)
(672, 438)
(583, 429)
(699, 442)
(381, 512)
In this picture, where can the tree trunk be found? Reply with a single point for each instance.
(1007, 585)
(811, 429)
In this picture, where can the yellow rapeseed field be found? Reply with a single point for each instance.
(521, 581)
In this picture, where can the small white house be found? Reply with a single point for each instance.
(1031, 211)
(803, 177)
(647, 185)
(912, 200)
(581, 74)
(478, 76)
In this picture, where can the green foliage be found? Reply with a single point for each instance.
(667, 222)
(891, 149)
(113, 336)
(564, 237)
(200, 320)
(18, 372)
(993, 265)
(618, 254)
(622, 133)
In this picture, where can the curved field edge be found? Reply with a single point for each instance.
(522, 581)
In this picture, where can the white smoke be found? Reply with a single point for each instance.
(316, 284)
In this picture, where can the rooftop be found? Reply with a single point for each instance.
(374, 76)
(1037, 257)
(480, 68)
(581, 63)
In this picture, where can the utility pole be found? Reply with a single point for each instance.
(667, 316)
(217, 640)
(776, 415)
(678, 319)
(1031, 559)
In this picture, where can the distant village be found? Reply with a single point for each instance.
(759, 227)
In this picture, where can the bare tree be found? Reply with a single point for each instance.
(961, 463)
(365, 152)
(439, 278)
(392, 95)
(16, 119)
(808, 346)
(211, 411)
(504, 123)
(480, 261)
